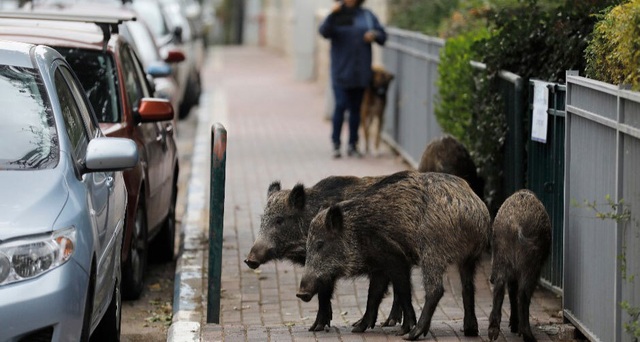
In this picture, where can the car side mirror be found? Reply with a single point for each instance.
(159, 69)
(175, 56)
(154, 110)
(110, 154)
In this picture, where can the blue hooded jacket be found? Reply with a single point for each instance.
(350, 54)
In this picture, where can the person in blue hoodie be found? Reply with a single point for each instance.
(352, 29)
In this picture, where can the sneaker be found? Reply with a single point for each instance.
(336, 152)
(353, 152)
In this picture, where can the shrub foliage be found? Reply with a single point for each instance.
(613, 55)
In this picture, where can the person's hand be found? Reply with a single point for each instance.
(336, 7)
(370, 36)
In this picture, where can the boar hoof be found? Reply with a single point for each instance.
(493, 333)
(319, 327)
(390, 322)
(394, 318)
(359, 329)
(403, 330)
(362, 325)
(414, 334)
(358, 322)
(320, 324)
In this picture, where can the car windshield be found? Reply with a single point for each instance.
(97, 73)
(28, 138)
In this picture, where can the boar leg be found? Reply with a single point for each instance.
(378, 285)
(467, 273)
(395, 315)
(434, 290)
(323, 318)
(525, 291)
(402, 293)
(496, 311)
(513, 302)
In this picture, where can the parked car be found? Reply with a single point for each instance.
(160, 69)
(172, 29)
(63, 204)
(117, 87)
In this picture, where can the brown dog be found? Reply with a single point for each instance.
(373, 104)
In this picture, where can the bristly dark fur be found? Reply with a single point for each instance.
(448, 155)
(427, 219)
(521, 242)
(285, 225)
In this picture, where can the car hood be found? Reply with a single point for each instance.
(30, 201)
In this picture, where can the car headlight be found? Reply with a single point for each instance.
(30, 257)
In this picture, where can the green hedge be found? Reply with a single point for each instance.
(613, 55)
(530, 39)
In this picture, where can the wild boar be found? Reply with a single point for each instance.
(521, 242)
(285, 224)
(448, 155)
(427, 219)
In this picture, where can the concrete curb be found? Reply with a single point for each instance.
(190, 276)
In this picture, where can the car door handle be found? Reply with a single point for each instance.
(110, 182)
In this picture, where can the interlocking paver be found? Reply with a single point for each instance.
(277, 130)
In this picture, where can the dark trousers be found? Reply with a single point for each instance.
(346, 99)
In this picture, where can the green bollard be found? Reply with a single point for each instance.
(216, 219)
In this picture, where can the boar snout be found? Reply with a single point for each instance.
(307, 289)
(260, 253)
(252, 263)
(304, 296)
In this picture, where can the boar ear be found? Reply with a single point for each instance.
(334, 221)
(273, 187)
(297, 197)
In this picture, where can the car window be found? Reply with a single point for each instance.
(28, 137)
(97, 74)
(144, 42)
(73, 123)
(83, 107)
(134, 80)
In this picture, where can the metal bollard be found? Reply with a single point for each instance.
(216, 219)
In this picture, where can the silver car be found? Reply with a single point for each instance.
(62, 204)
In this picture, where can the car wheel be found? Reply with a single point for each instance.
(135, 267)
(164, 243)
(109, 328)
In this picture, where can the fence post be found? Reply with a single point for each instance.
(216, 218)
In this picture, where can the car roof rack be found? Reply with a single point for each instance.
(107, 23)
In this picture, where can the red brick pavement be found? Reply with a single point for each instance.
(277, 131)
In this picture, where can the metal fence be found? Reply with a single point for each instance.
(545, 176)
(410, 122)
(602, 208)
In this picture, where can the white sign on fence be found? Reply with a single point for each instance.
(540, 117)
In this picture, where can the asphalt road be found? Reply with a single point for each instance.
(148, 318)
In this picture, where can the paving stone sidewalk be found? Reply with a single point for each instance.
(277, 130)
